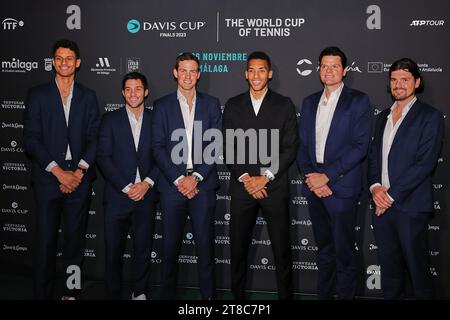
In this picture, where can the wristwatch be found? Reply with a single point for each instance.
(197, 178)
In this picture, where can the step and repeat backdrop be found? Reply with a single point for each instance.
(116, 37)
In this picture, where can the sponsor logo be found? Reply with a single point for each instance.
(353, 68)
(187, 259)
(18, 66)
(14, 125)
(73, 21)
(103, 67)
(15, 187)
(132, 64)
(301, 222)
(304, 265)
(261, 242)
(433, 228)
(157, 236)
(301, 69)
(373, 281)
(222, 240)
(14, 227)
(373, 247)
(223, 197)
(13, 148)
(299, 200)
(165, 29)
(48, 64)
(260, 221)
(222, 261)
(113, 106)
(224, 175)
(12, 24)
(375, 67)
(7, 247)
(14, 166)
(263, 265)
(427, 23)
(12, 104)
(373, 21)
(133, 26)
(265, 27)
(89, 253)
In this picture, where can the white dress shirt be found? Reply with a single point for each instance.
(136, 126)
(256, 104)
(66, 107)
(390, 130)
(324, 116)
(188, 119)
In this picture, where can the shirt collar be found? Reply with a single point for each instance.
(405, 109)
(183, 99)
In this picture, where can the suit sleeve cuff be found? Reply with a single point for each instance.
(149, 181)
(50, 166)
(198, 175)
(241, 176)
(374, 185)
(177, 180)
(83, 164)
(269, 175)
(390, 198)
(127, 188)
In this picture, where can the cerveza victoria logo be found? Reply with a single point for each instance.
(166, 29)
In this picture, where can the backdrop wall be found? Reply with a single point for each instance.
(116, 37)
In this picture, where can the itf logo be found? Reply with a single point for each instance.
(133, 26)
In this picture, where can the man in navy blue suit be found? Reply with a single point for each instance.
(124, 156)
(187, 182)
(335, 127)
(403, 155)
(60, 134)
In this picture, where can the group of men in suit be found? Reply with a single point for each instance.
(134, 149)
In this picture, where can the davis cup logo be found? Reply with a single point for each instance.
(133, 26)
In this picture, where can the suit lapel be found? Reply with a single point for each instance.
(126, 130)
(57, 102)
(406, 123)
(314, 107)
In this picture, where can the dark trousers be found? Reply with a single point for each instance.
(333, 220)
(201, 210)
(403, 246)
(119, 218)
(51, 205)
(275, 210)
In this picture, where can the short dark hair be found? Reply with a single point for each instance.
(409, 65)
(334, 51)
(186, 56)
(68, 44)
(261, 56)
(135, 76)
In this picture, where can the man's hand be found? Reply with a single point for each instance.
(316, 180)
(186, 186)
(380, 197)
(138, 190)
(68, 179)
(323, 191)
(379, 211)
(254, 184)
(261, 194)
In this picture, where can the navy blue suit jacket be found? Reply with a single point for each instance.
(167, 117)
(412, 157)
(346, 146)
(118, 159)
(46, 134)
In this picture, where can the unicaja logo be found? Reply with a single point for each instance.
(133, 26)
